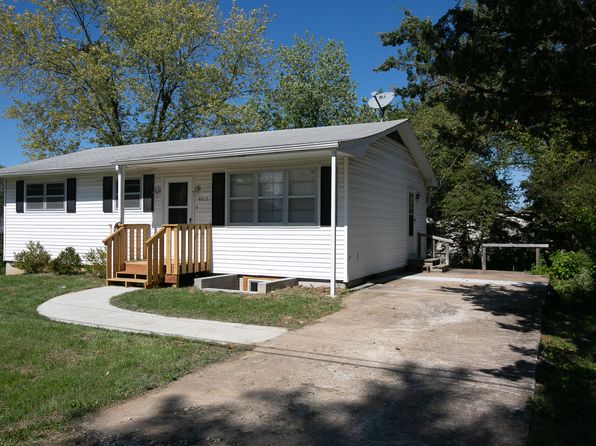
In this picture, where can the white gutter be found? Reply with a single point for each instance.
(228, 153)
(333, 222)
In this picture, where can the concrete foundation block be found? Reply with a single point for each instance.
(272, 285)
(223, 282)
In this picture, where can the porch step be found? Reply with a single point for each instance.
(135, 267)
(126, 281)
(440, 268)
(129, 275)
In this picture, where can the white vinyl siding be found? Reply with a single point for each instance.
(285, 251)
(378, 208)
(300, 250)
(82, 230)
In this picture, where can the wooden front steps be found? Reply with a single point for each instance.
(430, 265)
(136, 257)
(134, 273)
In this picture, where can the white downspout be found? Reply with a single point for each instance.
(333, 221)
(121, 179)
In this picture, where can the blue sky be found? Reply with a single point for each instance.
(355, 22)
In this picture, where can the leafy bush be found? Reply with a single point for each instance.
(33, 260)
(541, 270)
(67, 262)
(572, 275)
(95, 262)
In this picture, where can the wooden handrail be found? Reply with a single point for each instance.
(155, 257)
(434, 239)
(126, 243)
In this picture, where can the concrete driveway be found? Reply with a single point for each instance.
(408, 362)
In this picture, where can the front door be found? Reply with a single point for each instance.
(178, 205)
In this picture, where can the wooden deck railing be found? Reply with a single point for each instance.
(536, 246)
(187, 248)
(447, 242)
(172, 251)
(126, 243)
(155, 247)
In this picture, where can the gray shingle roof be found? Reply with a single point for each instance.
(208, 147)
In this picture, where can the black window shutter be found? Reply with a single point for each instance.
(325, 196)
(71, 195)
(108, 194)
(20, 197)
(218, 198)
(148, 186)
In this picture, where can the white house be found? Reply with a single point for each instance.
(332, 204)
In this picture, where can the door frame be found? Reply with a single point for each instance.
(166, 200)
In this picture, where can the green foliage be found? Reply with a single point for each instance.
(572, 275)
(112, 72)
(68, 262)
(472, 198)
(313, 86)
(567, 264)
(564, 402)
(95, 262)
(517, 73)
(33, 260)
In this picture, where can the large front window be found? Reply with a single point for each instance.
(273, 197)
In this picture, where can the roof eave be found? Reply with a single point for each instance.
(228, 153)
(57, 170)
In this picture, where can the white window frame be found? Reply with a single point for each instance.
(288, 197)
(230, 198)
(255, 198)
(45, 196)
(115, 194)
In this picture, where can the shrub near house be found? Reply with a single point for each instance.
(35, 259)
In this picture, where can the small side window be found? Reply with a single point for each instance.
(40, 197)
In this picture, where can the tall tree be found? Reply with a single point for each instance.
(312, 85)
(522, 72)
(109, 72)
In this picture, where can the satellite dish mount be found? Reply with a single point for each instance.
(380, 101)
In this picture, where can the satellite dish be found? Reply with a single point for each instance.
(380, 101)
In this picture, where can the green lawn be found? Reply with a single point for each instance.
(564, 404)
(291, 308)
(51, 373)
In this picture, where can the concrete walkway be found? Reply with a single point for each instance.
(92, 308)
(406, 362)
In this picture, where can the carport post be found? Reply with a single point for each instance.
(332, 290)
(483, 258)
(537, 257)
(121, 179)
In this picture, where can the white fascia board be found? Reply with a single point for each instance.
(57, 171)
(229, 153)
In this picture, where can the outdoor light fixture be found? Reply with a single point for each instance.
(417, 196)
(157, 189)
